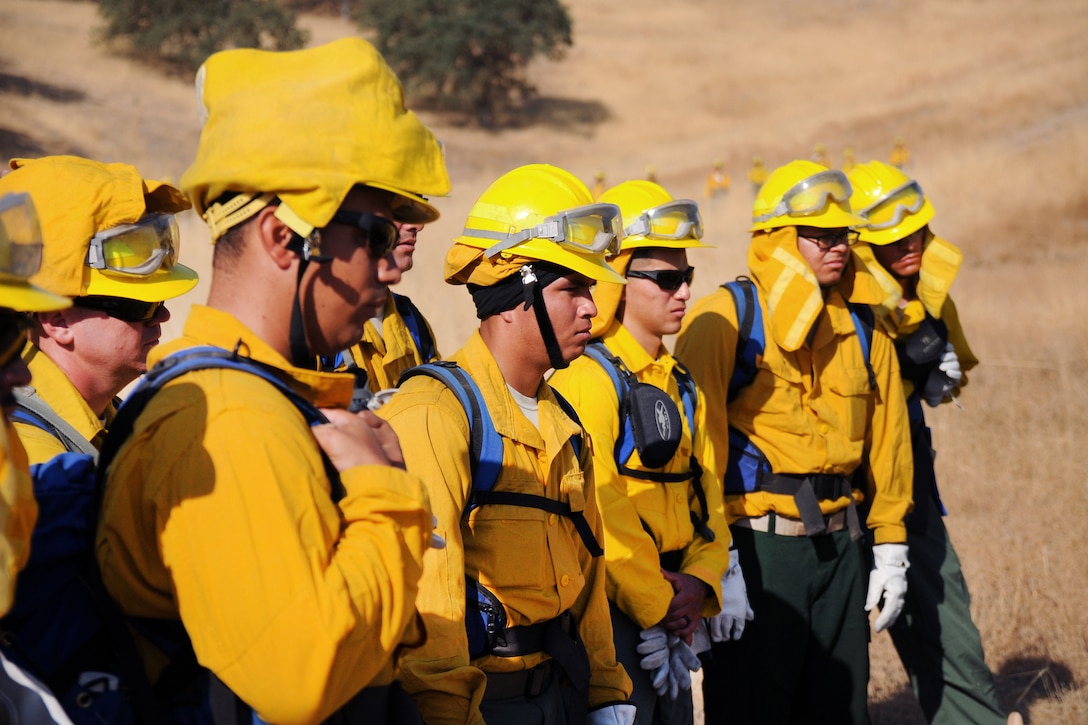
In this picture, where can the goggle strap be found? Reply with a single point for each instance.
(222, 217)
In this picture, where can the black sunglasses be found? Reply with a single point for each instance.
(381, 234)
(13, 327)
(120, 308)
(826, 242)
(668, 280)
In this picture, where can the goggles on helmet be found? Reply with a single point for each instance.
(138, 249)
(677, 219)
(20, 236)
(590, 229)
(810, 196)
(889, 211)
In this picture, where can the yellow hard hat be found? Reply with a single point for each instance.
(21, 257)
(107, 230)
(804, 193)
(537, 212)
(891, 203)
(307, 126)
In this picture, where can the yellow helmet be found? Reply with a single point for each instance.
(107, 230)
(892, 204)
(652, 218)
(21, 257)
(545, 213)
(804, 193)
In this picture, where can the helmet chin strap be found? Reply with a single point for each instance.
(533, 292)
(309, 250)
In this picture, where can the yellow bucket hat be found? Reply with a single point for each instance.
(307, 126)
(76, 199)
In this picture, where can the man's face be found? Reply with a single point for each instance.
(827, 252)
(571, 310)
(340, 295)
(649, 310)
(13, 370)
(116, 348)
(406, 245)
(903, 258)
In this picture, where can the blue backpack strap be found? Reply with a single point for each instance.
(689, 397)
(751, 338)
(862, 315)
(485, 454)
(625, 444)
(417, 327)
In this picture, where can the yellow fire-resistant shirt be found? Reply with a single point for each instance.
(54, 388)
(18, 513)
(218, 510)
(810, 409)
(533, 561)
(386, 355)
(635, 583)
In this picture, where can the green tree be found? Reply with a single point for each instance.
(467, 55)
(183, 33)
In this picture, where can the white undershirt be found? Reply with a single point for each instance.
(528, 406)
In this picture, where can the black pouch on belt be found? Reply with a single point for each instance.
(485, 619)
(655, 423)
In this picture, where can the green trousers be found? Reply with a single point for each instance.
(936, 638)
(805, 656)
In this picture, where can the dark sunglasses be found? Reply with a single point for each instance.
(13, 327)
(828, 241)
(381, 234)
(120, 308)
(668, 280)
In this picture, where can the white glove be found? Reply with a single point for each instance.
(654, 648)
(729, 624)
(888, 581)
(950, 364)
(619, 714)
(683, 661)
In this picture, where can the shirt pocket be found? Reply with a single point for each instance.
(851, 392)
(508, 546)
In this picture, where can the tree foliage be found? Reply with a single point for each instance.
(467, 55)
(183, 33)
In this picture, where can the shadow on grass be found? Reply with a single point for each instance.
(899, 709)
(14, 144)
(21, 86)
(1022, 681)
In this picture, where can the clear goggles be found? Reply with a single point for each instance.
(591, 229)
(20, 236)
(889, 211)
(678, 219)
(138, 249)
(811, 195)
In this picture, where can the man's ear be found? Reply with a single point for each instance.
(275, 237)
(56, 325)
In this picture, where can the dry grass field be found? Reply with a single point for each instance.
(992, 99)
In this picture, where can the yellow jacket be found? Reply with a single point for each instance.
(55, 389)
(18, 513)
(533, 561)
(218, 510)
(940, 265)
(809, 408)
(634, 579)
(387, 355)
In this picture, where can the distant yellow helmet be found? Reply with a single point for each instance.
(106, 229)
(804, 193)
(544, 213)
(892, 204)
(21, 257)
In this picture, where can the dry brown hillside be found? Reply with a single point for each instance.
(992, 99)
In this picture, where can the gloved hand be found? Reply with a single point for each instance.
(683, 661)
(654, 648)
(622, 713)
(950, 364)
(888, 581)
(729, 624)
